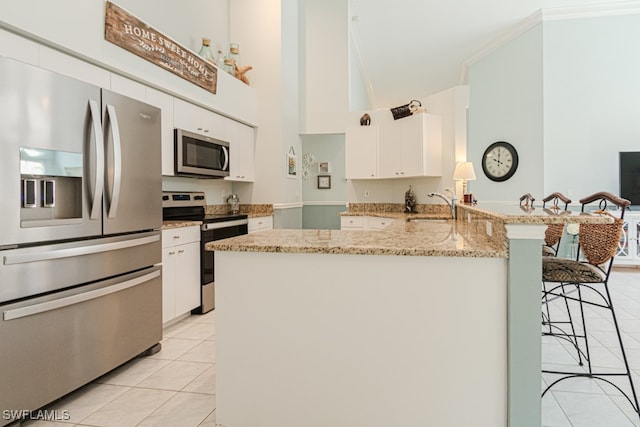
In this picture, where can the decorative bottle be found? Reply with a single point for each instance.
(205, 50)
(234, 53)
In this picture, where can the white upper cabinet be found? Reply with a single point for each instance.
(67, 65)
(410, 147)
(361, 152)
(242, 151)
(192, 118)
(128, 87)
(165, 103)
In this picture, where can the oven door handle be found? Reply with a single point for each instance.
(43, 307)
(223, 224)
(77, 251)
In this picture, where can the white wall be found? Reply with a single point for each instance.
(359, 94)
(324, 65)
(326, 148)
(267, 31)
(591, 102)
(506, 104)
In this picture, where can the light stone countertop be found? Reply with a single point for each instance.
(468, 238)
(437, 238)
(515, 214)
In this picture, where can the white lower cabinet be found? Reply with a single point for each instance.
(260, 223)
(364, 222)
(180, 271)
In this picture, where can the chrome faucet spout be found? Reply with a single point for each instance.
(450, 202)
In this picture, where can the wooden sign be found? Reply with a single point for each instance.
(125, 30)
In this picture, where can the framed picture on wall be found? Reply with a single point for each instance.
(323, 167)
(291, 163)
(324, 182)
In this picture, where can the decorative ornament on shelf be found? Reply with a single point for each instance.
(365, 120)
(205, 50)
(241, 71)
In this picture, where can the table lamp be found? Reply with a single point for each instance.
(464, 172)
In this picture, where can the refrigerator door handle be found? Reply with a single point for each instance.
(226, 158)
(48, 255)
(43, 307)
(99, 178)
(117, 161)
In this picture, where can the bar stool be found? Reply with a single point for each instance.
(552, 236)
(587, 276)
(553, 233)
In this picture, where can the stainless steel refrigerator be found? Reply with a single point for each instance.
(80, 213)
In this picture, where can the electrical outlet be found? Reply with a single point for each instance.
(366, 193)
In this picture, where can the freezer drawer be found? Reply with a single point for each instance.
(54, 344)
(31, 271)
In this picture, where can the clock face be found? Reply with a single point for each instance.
(500, 161)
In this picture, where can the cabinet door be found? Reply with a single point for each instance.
(187, 282)
(67, 65)
(128, 87)
(361, 152)
(242, 161)
(168, 283)
(187, 116)
(411, 144)
(389, 150)
(165, 103)
(213, 125)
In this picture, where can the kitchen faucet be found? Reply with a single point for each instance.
(450, 202)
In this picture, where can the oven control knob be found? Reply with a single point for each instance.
(165, 197)
(199, 197)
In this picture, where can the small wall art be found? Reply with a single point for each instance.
(324, 167)
(291, 163)
(324, 182)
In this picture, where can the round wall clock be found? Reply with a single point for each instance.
(500, 161)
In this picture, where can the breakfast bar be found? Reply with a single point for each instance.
(399, 326)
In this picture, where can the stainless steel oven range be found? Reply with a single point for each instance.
(192, 206)
(80, 244)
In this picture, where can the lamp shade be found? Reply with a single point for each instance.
(464, 171)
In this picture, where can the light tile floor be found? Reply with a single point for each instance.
(583, 402)
(176, 387)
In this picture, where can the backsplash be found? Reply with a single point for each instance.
(436, 209)
(257, 209)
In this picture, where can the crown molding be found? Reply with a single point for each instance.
(550, 14)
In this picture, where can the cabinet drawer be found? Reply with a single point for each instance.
(260, 223)
(347, 222)
(377, 223)
(180, 236)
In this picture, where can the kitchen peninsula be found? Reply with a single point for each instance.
(400, 326)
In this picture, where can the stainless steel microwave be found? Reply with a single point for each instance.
(200, 156)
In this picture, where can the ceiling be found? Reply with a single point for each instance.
(414, 48)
